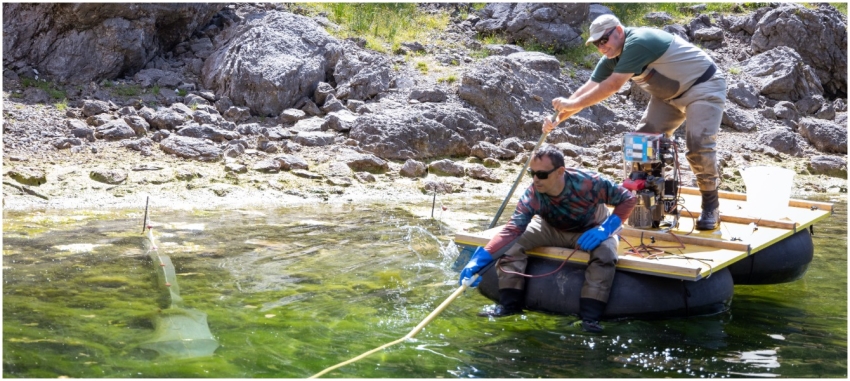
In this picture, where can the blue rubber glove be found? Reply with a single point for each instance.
(593, 237)
(480, 258)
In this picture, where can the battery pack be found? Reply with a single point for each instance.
(641, 147)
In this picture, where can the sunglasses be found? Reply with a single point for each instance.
(542, 175)
(604, 39)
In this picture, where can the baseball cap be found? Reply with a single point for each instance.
(600, 25)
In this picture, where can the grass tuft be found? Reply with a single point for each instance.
(384, 26)
(52, 90)
(63, 105)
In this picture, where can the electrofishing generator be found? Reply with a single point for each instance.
(645, 157)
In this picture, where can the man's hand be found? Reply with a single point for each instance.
(590, 239)
(480, 258)
(549, 124)
(562, 104)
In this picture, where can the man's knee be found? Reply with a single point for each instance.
(606, 252)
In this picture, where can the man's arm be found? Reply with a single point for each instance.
(519, 221)
(587, 95)
(592, 93)
(587, 86)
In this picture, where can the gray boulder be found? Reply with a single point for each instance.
(312, 124)
(237, 114)
(150, 77)
(743, 94)
(782, 75)
(323, 90)
(658, 18)
(142, 145)
(267, 166)
(249, 129)
(114, 130)
(828, 165)
(747, 24)
(483, 150)
(28, 175)
(167, 119)
(108, 176)
(291, 115)
(480, 172)
(413, 168)
(361, 74)
(338, 170)
(446, 167)
(99, 120)
(359, 162)
(698, 23)
(819, 36)
(270, 61)
(677, 30)
(332, 104)
(94, 107)
(514, 92)
(597, 10)
(513, 144)
(202, 47)
(826, 112)
(782, 140)
(738, 120)
(555, 25)
(314, 139)
(420, 131)
(290, 162)
(204, 117)
(84, 42)
(83, 133)
(205, 131)
(810, 104)
(428, 95)
(339, 121)
(277, 133)
(190, 148)
(710, 38)
(139, 125)
(825, 136)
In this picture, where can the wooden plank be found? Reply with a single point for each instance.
(735, 211)
(688, 239)
(626, 263)
(796, 203)
(695, 263)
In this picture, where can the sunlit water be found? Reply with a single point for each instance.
(290, 292)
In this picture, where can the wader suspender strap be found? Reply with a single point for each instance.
(704, 77)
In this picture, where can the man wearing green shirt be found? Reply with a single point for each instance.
(684, 84)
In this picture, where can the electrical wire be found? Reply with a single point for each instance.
(499, 265)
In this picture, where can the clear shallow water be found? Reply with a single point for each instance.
(290, 292)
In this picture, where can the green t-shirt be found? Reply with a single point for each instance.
(642, 46)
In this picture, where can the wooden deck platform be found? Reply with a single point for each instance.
(740, 235)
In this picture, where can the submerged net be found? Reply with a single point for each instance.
(183, 333)
(178, 332)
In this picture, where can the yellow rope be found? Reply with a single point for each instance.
(412, 333)
(557, 119)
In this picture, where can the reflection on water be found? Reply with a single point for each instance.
(290, 292)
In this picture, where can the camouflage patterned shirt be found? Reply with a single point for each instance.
(574, 209)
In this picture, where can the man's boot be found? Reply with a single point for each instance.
(709, 219)
(590, 311)
(510, 303)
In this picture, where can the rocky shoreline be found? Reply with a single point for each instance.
(380, 129)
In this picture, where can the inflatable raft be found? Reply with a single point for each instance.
(693, 273)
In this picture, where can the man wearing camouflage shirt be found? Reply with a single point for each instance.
(571, 205)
